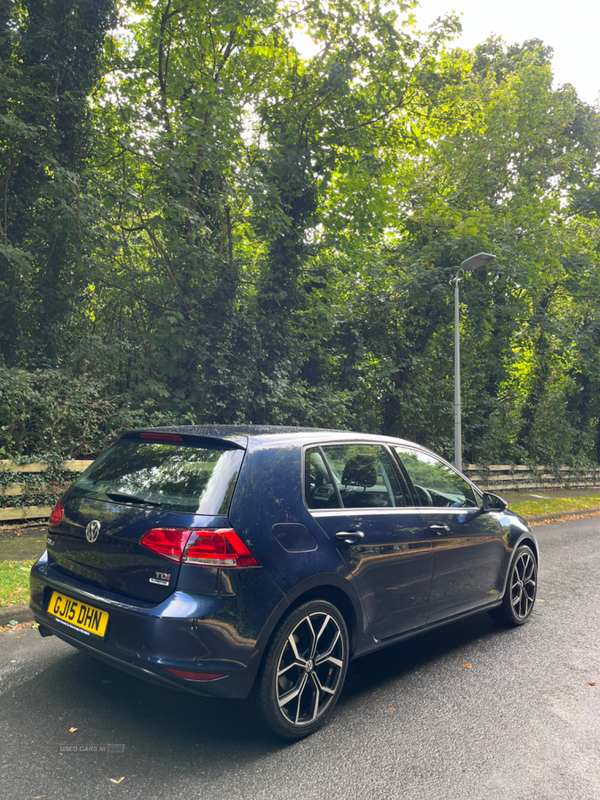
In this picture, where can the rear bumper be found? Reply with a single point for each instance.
(185, 632)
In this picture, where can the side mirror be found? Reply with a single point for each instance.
(492, 502)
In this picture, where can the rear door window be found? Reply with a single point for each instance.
(178, 477)
(364, 475)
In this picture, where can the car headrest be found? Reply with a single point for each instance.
(360, 470)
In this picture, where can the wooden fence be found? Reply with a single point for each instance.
(17, 489)
(512, 478)
(494, 478)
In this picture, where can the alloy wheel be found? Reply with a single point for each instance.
(310, 668)
(523, 584)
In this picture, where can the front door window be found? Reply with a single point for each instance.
(436, 484)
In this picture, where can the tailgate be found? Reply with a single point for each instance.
(115, 560)
(144, 481)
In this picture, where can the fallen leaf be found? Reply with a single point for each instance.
(113, 780)
(533, 744)
(39, 796)
(391, 709)
(518, 667)
(72, 730)
(468, 666)
(562, 519)
(591, 683)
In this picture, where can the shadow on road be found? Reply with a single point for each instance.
(170, 727)
(392, 663)
(171, 737)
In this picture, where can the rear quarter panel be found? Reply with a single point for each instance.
(269, 493)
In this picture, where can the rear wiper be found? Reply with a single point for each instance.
(114, 494)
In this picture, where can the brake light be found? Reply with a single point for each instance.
(209, 547)
(57, 514)
(167, 542)
(218, 548)
(161, 437)
(194, 676)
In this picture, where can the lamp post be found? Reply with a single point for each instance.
(468, 265)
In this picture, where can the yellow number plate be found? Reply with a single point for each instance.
(77, 614)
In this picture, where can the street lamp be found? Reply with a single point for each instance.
(468, 265)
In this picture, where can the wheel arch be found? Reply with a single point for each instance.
(529, 541)
(321, 587)
(338, 598)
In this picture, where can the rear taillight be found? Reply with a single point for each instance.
(210, 547)
(218, 548)
(167, 542)
(57, 514)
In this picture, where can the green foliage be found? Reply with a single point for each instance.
(36, 488)
(203, 225)
(48, 66)
(49, 415)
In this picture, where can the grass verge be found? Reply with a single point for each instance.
(14, 582)
(530, 508)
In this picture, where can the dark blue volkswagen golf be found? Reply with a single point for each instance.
(236, 560)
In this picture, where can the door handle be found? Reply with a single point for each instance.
(350, 537)
(439, 529)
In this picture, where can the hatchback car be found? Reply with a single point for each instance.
(235, 560)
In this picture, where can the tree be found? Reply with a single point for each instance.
(220, 147)
(201, 224)
(49, 63)
(494, 171)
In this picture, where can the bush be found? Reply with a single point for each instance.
(52, 413)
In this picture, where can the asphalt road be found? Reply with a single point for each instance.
(521, 723)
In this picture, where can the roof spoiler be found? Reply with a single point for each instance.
(170, 436)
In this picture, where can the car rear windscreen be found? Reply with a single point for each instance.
(178, 477)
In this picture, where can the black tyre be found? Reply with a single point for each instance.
(303, 671)
(521, 589)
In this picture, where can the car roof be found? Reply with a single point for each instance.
(251, 435)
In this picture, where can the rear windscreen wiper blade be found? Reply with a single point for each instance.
(114, 494)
